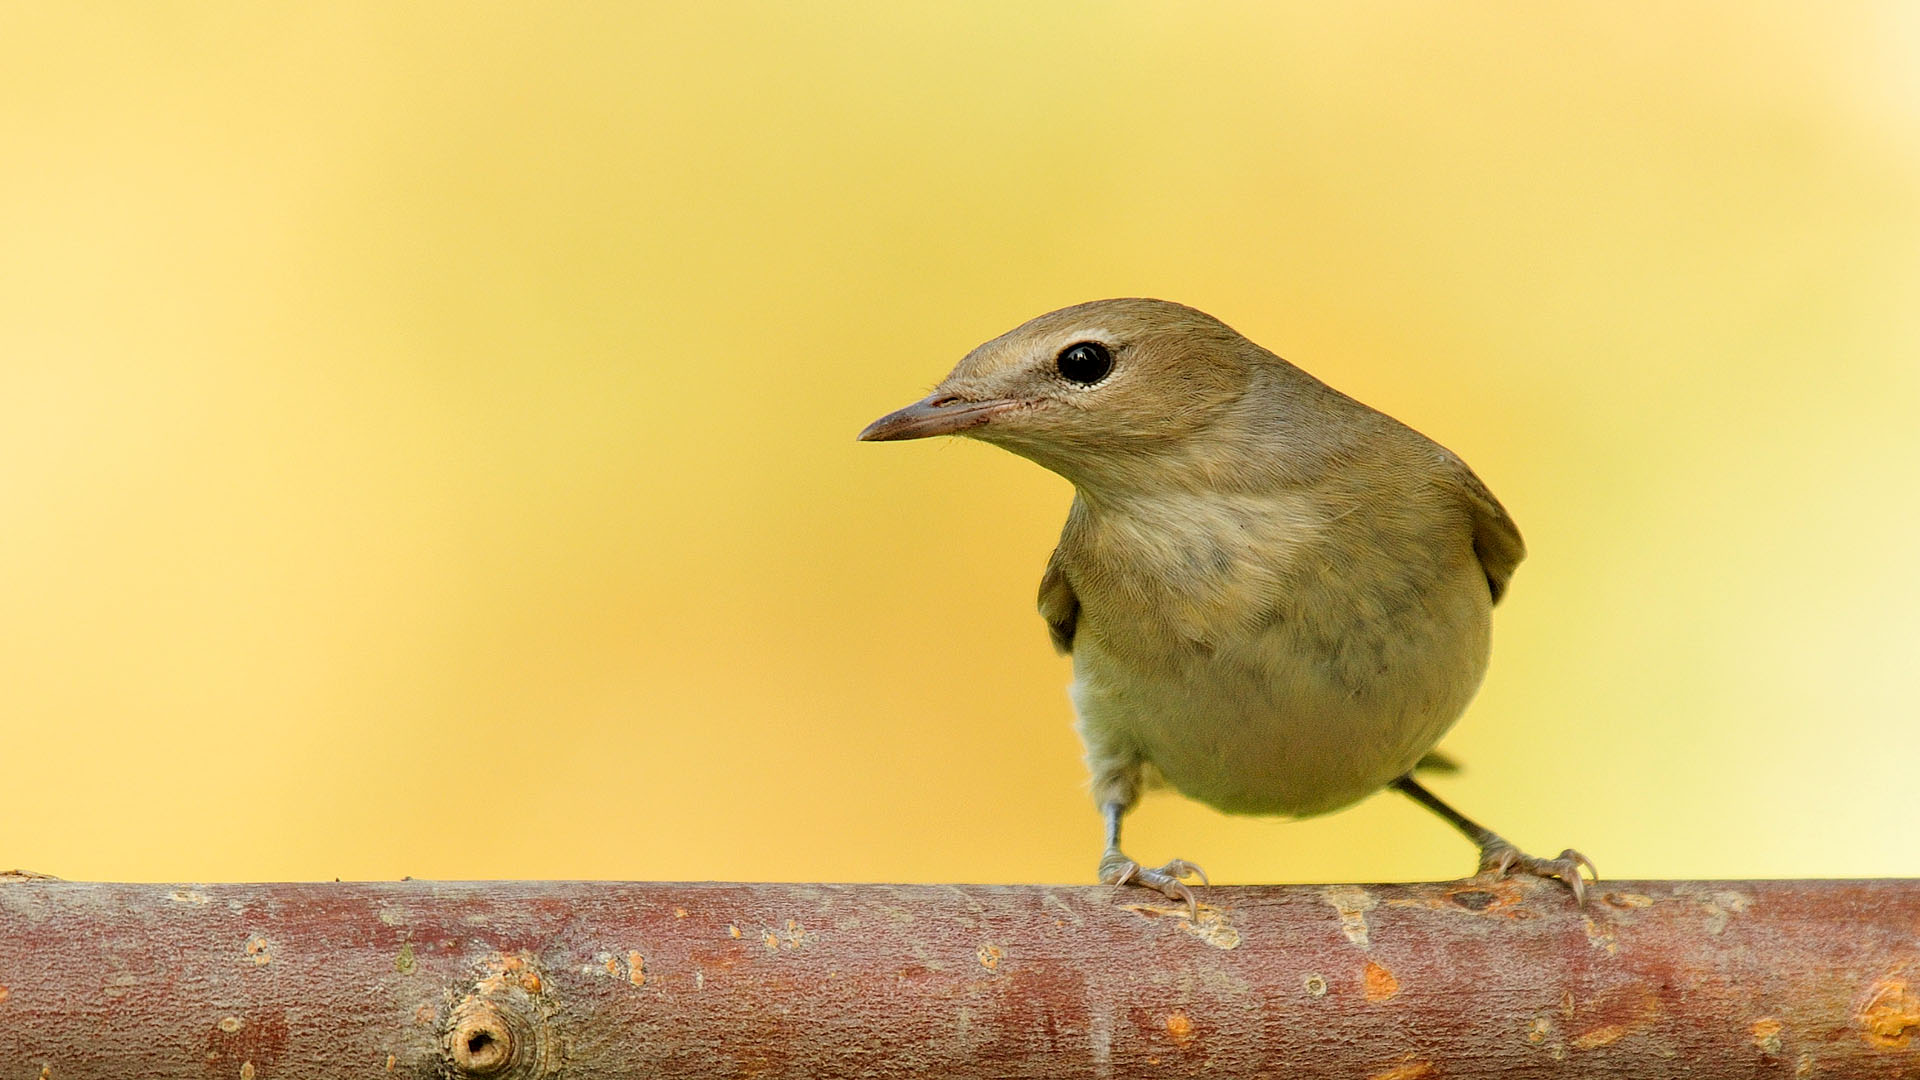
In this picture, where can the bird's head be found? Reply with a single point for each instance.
(1100, 387)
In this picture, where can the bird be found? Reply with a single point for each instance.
(1276, 599)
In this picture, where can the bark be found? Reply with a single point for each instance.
(511, 980)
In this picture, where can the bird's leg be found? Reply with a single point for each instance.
(1117, 869)
(1497, 856)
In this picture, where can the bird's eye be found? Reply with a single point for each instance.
(1085, 363)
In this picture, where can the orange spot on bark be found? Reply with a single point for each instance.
(1766, 1034)
(1614, 1015)
(1891, 1017)
(1179, 1028)
(989, 956)
(1598, 1037)
(1407, 1070)
(1380, 983)
(636, 969)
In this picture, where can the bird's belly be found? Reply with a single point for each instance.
(1283, 722)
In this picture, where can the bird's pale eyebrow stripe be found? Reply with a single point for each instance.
(1087, 333)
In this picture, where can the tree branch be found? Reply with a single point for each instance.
(513, 980)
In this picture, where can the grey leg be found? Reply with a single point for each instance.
(1117, 792)
(1496, 854)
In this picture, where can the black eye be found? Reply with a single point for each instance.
(1086, 363)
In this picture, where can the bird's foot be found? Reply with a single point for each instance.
(1502, 858)
(1117, 869)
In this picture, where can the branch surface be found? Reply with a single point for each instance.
(513, 980)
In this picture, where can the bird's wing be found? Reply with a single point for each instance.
(1496, 539)
(1058, 604)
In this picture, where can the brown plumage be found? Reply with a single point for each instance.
(1274, 596)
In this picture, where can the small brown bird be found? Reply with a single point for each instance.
(1276, 598)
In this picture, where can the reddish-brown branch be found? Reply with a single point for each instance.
(513, 980)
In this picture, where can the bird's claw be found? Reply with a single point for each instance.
(1117, 869)
(1502, 859)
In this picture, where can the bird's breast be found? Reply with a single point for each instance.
(1275, 654)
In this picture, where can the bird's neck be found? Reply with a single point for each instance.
(1287, 432)
(1230, 463)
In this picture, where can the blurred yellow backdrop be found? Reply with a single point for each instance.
(426, 417)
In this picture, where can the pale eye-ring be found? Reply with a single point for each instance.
(1085, 362)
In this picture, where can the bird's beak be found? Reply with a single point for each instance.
(938, 413)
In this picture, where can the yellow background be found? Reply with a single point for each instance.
(426, 432)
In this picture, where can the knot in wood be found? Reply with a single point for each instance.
(481, 1042)
(502, 1029)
